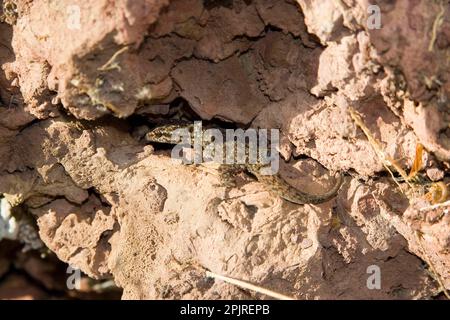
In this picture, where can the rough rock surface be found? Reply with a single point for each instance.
(80, 80)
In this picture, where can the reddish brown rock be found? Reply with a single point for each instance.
(78, 94)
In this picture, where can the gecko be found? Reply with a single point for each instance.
(163, 133)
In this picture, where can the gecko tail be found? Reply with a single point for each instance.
(303, 198)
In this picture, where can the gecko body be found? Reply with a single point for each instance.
(164, 134)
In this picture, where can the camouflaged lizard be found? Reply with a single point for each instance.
(164, 134)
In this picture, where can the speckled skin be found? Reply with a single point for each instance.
(163, 134)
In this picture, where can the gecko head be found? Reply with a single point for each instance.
(166, 133)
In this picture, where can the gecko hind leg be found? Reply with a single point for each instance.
(227, 175)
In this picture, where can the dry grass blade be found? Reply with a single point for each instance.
(386, 160)
(433, 270)
(436, 24)
(417, 165)
(436, 206)
(249, 286)
(111, 63)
